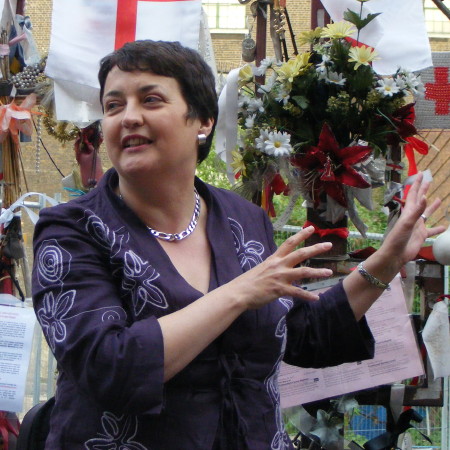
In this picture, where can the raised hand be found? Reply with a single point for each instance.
(279, 275)
(410, 232)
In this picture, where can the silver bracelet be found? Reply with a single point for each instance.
(371, 279)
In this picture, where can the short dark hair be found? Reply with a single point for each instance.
(170, 59)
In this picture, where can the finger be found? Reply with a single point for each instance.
(302, 254)
(432, 208)
(415, 186)
(299, 292)
(292, 242)
(435, 230)
(309, 272)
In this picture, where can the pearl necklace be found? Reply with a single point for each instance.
(182, 234)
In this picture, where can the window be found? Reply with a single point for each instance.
(225, 16)
(438, 26)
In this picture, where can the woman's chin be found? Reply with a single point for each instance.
(136, 167)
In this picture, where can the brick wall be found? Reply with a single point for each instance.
(228, 47)
(40, 12)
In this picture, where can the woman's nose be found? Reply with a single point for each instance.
(132, 117)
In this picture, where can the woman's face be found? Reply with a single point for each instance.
(145, 125)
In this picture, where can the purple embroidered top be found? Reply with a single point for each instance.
(101, 281)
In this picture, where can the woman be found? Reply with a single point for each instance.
(165, 300)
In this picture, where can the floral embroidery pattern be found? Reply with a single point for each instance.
(52, 314)
(53, 263)
(110, 241)
(249, 253)
(118, 434)
(137, 275)
(281, 440)
(288, 303)
(144, 292)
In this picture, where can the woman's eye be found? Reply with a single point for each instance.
(110, 106)
(152, 99)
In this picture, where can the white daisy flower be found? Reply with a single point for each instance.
(270, 81)
(243, 101)
(387, 87)
(261, 140)
(255, 104)
(263, 66)
(335, 78)
(401, 82)
(250, 121)
(417, 86)
(282, 96)
(278, 144)
(322, 66)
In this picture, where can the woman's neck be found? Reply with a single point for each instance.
(165, 206)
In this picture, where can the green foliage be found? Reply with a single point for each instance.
(213, 171)
(355, 19)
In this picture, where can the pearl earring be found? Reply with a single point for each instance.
(201, 139)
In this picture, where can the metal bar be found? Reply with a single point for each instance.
(37, 367)
(352, 234)
(445, 10)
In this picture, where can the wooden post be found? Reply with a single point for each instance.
(261, 30)
(20, 8)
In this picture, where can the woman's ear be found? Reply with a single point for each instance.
(206, 127)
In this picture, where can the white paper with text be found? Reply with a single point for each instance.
(16, 338)
(396, 357)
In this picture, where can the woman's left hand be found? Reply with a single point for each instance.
(410, 232)
(402, 244)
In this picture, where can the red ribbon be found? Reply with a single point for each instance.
(322, 232)
(419, 146)
(276, 186)
(6, 427)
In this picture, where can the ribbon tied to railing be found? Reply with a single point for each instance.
(7, 214)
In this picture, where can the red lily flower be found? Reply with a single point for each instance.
(327, 167)
(403, 119)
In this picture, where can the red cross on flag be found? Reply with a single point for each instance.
(83, 31)
(433, 110)
(398, 34)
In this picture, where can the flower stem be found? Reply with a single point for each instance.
(359, 29)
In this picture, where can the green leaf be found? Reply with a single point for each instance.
(369, 19)
(352, 17)
(355, 19)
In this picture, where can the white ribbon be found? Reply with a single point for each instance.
(226, 130)
(8, 213)
(427, 176)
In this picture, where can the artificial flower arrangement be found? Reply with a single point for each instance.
(321, 124)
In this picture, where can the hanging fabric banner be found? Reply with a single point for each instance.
(84, 31)
(433, 110)
(398, 34)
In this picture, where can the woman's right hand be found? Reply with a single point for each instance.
(279, 276)
(188, 331)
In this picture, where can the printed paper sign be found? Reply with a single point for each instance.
(16, 337)
(396, 358)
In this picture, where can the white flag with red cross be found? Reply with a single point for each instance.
(398, 34)
(433, 109)
(84, 31)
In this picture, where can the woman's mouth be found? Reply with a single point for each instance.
(135, 142)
